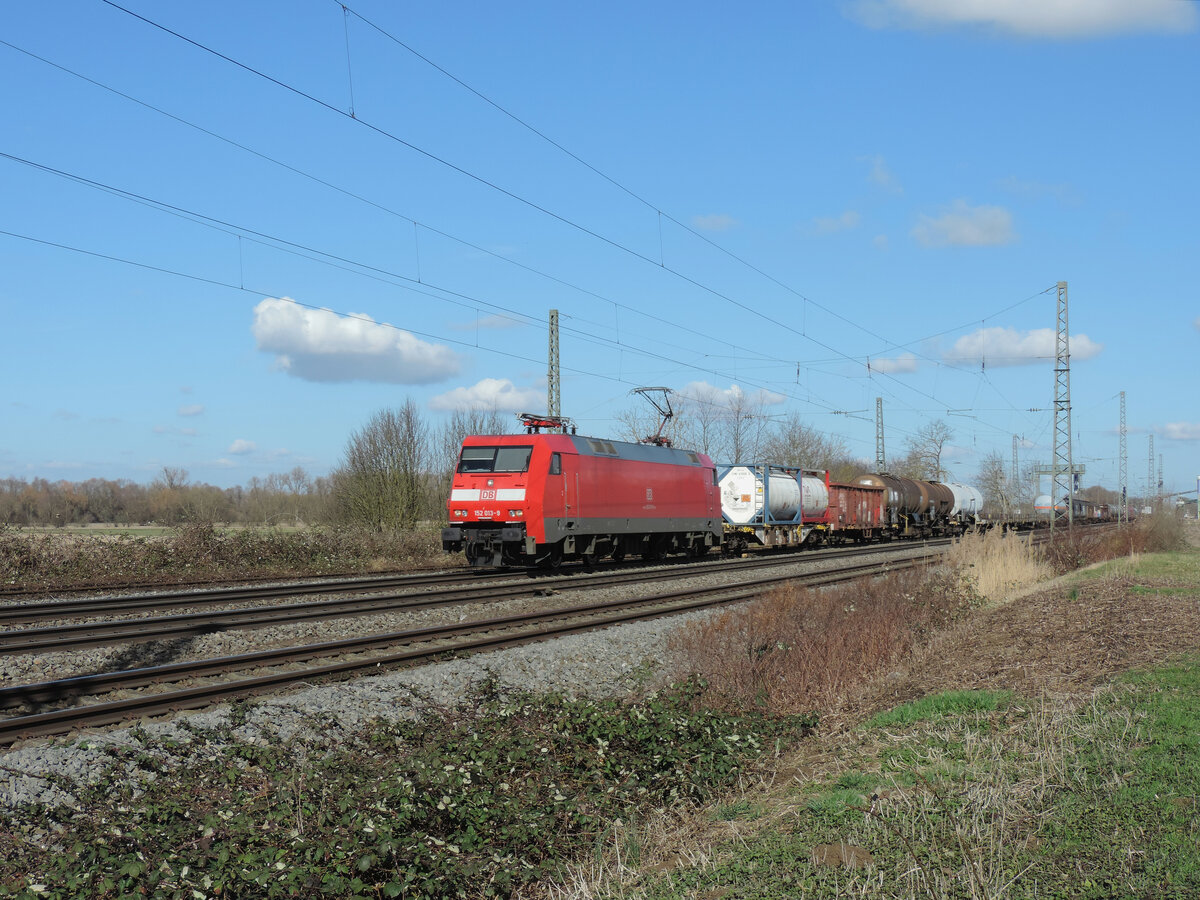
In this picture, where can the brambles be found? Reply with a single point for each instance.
(476, 800)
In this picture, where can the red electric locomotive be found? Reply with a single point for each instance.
(524, 499)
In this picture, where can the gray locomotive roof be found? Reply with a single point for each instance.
(589, 446)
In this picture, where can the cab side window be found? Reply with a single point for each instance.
(555, 463)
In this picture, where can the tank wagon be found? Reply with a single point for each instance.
(914, 508)
(536, 499)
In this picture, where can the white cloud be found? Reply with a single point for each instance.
(714, 222)
(1033, 18)
(1009, 347)
(881, 242)
(1182, 431)
(905, 362)
(496, 321)
(171, 429)
(320, 345)
(881, 175)
(1197, 323)
(730, 397)
(961, 225)
(830, 224)
(192, 409)
(241, 447)
(499, 394)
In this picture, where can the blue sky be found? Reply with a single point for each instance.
(225, 247)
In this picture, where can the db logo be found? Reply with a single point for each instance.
(487, 495)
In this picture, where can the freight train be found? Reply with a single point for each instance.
(537, 499)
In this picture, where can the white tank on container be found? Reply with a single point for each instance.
(967, 500)
(1041, 506)
(743, 496)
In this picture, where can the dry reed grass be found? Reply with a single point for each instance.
(999, 563)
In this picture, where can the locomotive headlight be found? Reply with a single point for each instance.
(516, 513)
(460, 513)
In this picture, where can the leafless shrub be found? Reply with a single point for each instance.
(200, 552)
(802, 649)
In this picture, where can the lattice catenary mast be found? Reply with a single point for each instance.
(880, 456)
(1014, 487)
(1123, 516)
(1151, 500)
(1063, 483)
(553, 387)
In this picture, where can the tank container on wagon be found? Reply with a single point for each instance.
(772, 505)
(1041, 506)
(967, 501)
(767, 493)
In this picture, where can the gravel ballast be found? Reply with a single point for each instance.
(614, 661)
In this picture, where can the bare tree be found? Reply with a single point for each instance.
(793, 443)
(173, 477)
(462, 422)
(925, 450)
(379, 483)
(744, 428)
(993, 483)
(701, 412)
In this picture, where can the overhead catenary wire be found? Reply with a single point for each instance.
(492, 185)
(346, 264)
(841, 356)
(659, 212)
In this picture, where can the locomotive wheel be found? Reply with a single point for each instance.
(553, 558)
(654, 549)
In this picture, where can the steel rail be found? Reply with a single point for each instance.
(65, 720)
(85, 606)
(23, 613)
(134, 630)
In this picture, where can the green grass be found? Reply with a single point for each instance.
(986, 795)
(940, 706)
(1182, 564)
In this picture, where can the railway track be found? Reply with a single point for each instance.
(153, 628)
(404, 647)
(391, 588)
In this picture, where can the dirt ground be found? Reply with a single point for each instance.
(1056, 640)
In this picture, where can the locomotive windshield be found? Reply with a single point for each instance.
(494, 459)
